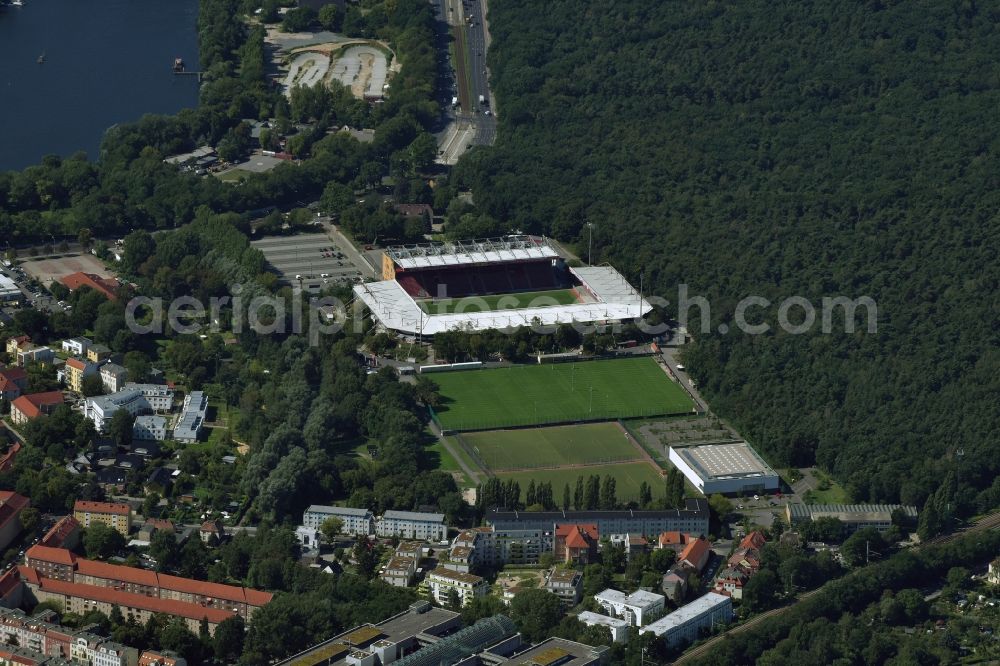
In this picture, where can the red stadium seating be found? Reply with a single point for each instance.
(480, 280)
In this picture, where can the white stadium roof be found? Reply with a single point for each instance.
(472, 252)
(397, 310)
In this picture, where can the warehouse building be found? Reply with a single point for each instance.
(732, 468)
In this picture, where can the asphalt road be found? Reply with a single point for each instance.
(467, 15)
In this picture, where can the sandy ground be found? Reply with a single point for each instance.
(47, 270)
(306, 69)
(360, 66)
(363, 68)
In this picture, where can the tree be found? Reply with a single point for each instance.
(331, 17)
(761, 590)
(101, 541)
(331, 527)
(137, 248)
(137, 366)
(92, 385)
(566, 498)
(720, 506)
(298, 19)
(366, 558)
(858, 548)
(227, 643)
(120, 428)
(164, 549)
(29, 519)
(536, 612)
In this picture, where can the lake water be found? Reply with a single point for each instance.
(106, 62)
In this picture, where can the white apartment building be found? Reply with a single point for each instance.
(399, 571)
(113, 377)
(77, 346)
(618, 628)
(192, 417)
(134, 398)
(686, 623)
(149, 427)
(412, 525)
(98, 651)
(356, 521)
(467, 586)
(638, 609)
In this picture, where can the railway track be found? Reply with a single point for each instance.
(990, 521)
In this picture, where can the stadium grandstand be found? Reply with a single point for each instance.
(496, 283)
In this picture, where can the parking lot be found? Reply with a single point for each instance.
(314, 260)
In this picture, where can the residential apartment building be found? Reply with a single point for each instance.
(442, 581)
(154, 658)
(638, 609)
(149, 427)
(94, 650)
(77, 346)
(686, 624)
(33, 405)
(355, 521)
(32, 354)
(16, 343)
(11, 506)
(576, 543)
(192, 418)
(76, 371)
(13, 381)
(993, 572)
(695, 554)
(693, 518)
(412, 525)
(617, 627)
(134, 398)
(114, 515)
(81, 584)
(98, 354)
(64, 534)
(113, 377)
(567, 584)
(399, 571)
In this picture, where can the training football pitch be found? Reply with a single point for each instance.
(560, 392)
(551, 447)
(491, 302)
(627, 476)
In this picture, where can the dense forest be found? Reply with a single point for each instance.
(806, 149)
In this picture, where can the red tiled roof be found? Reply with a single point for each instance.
(753, 540)
(49, 554)
(27, 574)
(56, 537)
(129, 600)
(8, 583)
(159, 524)
(674, 539)
(215, 590)
(102, 507)
(31, 405)
(137, 576)
(695, 552)
(105, 286)
(132, 575)
(76, 363)
(11, 506)
(7, 459)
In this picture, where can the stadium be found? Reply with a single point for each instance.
(497, 283)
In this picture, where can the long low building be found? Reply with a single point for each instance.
(687, 623)
(853, 516)
(730, 468)
(56, 573)
(692, 519)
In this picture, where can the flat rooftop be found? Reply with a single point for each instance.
(686, 613)
(590, 618)
(719, 461)
(559, 652)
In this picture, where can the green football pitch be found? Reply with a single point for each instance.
(560, 392)
(627, 476)
(489, 303)
(551, 447)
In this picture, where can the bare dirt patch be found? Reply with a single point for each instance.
(49, 269)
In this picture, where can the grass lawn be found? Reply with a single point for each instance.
(539, 394)
(550, 447)
(627, 477)
(498, 301)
